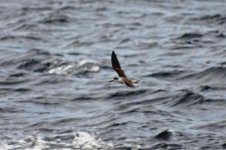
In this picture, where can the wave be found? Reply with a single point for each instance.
(213, 74)
(44, 62)
(80, 141)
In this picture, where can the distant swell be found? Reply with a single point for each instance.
(214, 74)
(187, 98)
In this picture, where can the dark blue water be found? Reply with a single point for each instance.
(55, 66)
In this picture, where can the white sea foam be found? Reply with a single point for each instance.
(65, 69)
(89, 65)
(81, 141)
(84, 65)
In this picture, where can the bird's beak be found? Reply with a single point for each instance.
(111, 80)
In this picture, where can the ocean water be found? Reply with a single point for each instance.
(55, 66)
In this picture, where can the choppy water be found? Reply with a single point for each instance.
(55, 64)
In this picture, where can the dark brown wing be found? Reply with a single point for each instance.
(116, 65)
(128, 82)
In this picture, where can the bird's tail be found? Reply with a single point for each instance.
(135, 81)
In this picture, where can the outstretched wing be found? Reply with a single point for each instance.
(129, 82)
(116, 65)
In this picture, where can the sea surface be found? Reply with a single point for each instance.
(55, 66)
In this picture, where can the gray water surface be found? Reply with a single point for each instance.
(55, 67)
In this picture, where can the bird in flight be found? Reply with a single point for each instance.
(122, 77)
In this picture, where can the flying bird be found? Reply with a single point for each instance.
(122, 77)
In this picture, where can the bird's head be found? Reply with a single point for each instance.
(114, 79)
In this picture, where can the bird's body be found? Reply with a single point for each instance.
(122, 77)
